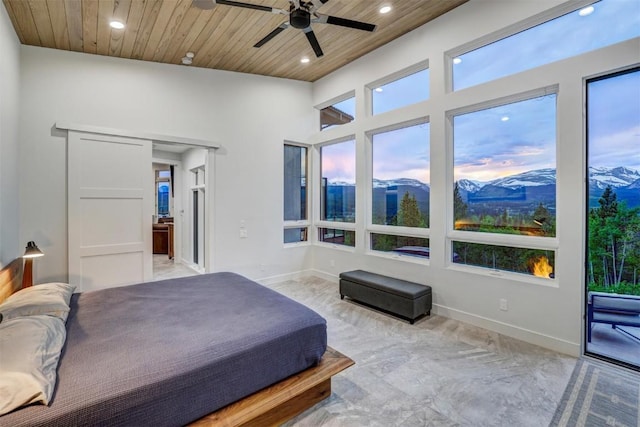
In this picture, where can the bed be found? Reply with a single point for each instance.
(214, 349)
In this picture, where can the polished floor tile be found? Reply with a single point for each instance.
(437, 372)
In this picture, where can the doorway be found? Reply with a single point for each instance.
(613, 218)
(199, 203)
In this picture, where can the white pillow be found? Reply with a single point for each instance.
(51, 299)
(29, 351)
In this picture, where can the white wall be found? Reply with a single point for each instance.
(546, 315)
(10, 246)
(249, 115)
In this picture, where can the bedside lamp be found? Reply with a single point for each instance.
(31, 251)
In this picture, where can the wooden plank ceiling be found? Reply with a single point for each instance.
(221, 38)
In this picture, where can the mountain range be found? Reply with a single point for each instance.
(536, 185)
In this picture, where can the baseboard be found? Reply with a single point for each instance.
(546, 341)
(283, 277)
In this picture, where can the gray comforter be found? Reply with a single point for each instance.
(169, 352)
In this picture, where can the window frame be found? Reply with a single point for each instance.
(508, 31)
(395, 230)
(398, 75)
(318, 222)
(304, 223)
(333, 101)
(496, 239)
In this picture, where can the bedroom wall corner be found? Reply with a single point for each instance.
(9, 106)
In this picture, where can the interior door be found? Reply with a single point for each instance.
(110, 208)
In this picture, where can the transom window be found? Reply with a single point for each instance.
(401, 92)
(600, 24)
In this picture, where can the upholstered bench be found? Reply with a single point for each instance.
(400, 297)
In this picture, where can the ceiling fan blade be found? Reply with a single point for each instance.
(249, 6)
(313, 41)
(271, 35)
(318, 3)
(325, 19)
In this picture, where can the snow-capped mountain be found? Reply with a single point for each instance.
(615, 177)
(532, 178)
(470, 186)
(384, 183)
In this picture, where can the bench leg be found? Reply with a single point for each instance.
(341, 296)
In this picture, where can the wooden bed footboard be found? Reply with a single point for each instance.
(282, 401)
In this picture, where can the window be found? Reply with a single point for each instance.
(295, 192)
(400, 190)
(295, 235)
(338, 114)
(400, 194)
(505, 168)
(163, 193)
(337, 236)
(400, 245)
(533, 262)
(401, 92)
(338, 182)
(601, 24)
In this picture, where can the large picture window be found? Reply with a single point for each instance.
(338, 182)
(505, 168)
(600, 24)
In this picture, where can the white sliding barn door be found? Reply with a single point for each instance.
(110, 207)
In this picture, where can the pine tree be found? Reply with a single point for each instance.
(409, 212)
(608, 204)
(459, 206)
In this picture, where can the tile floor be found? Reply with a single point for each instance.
(437, 372)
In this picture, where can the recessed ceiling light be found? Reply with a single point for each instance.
(304, 60)
(378, 89)
(457, 60)
(188, 58)
(505, 118)
(586, 11)
(116, 25)
(385, 9)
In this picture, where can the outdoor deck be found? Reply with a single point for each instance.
(610, 342)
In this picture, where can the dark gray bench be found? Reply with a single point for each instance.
(400, 297)
(614, 309)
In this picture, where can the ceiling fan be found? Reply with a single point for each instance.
(301, 15)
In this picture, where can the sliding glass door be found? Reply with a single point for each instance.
(613, 218)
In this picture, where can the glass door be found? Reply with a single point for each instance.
(613, 218)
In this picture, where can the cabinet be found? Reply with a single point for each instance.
(163, 239)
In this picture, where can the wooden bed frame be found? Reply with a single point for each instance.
(271, 406)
